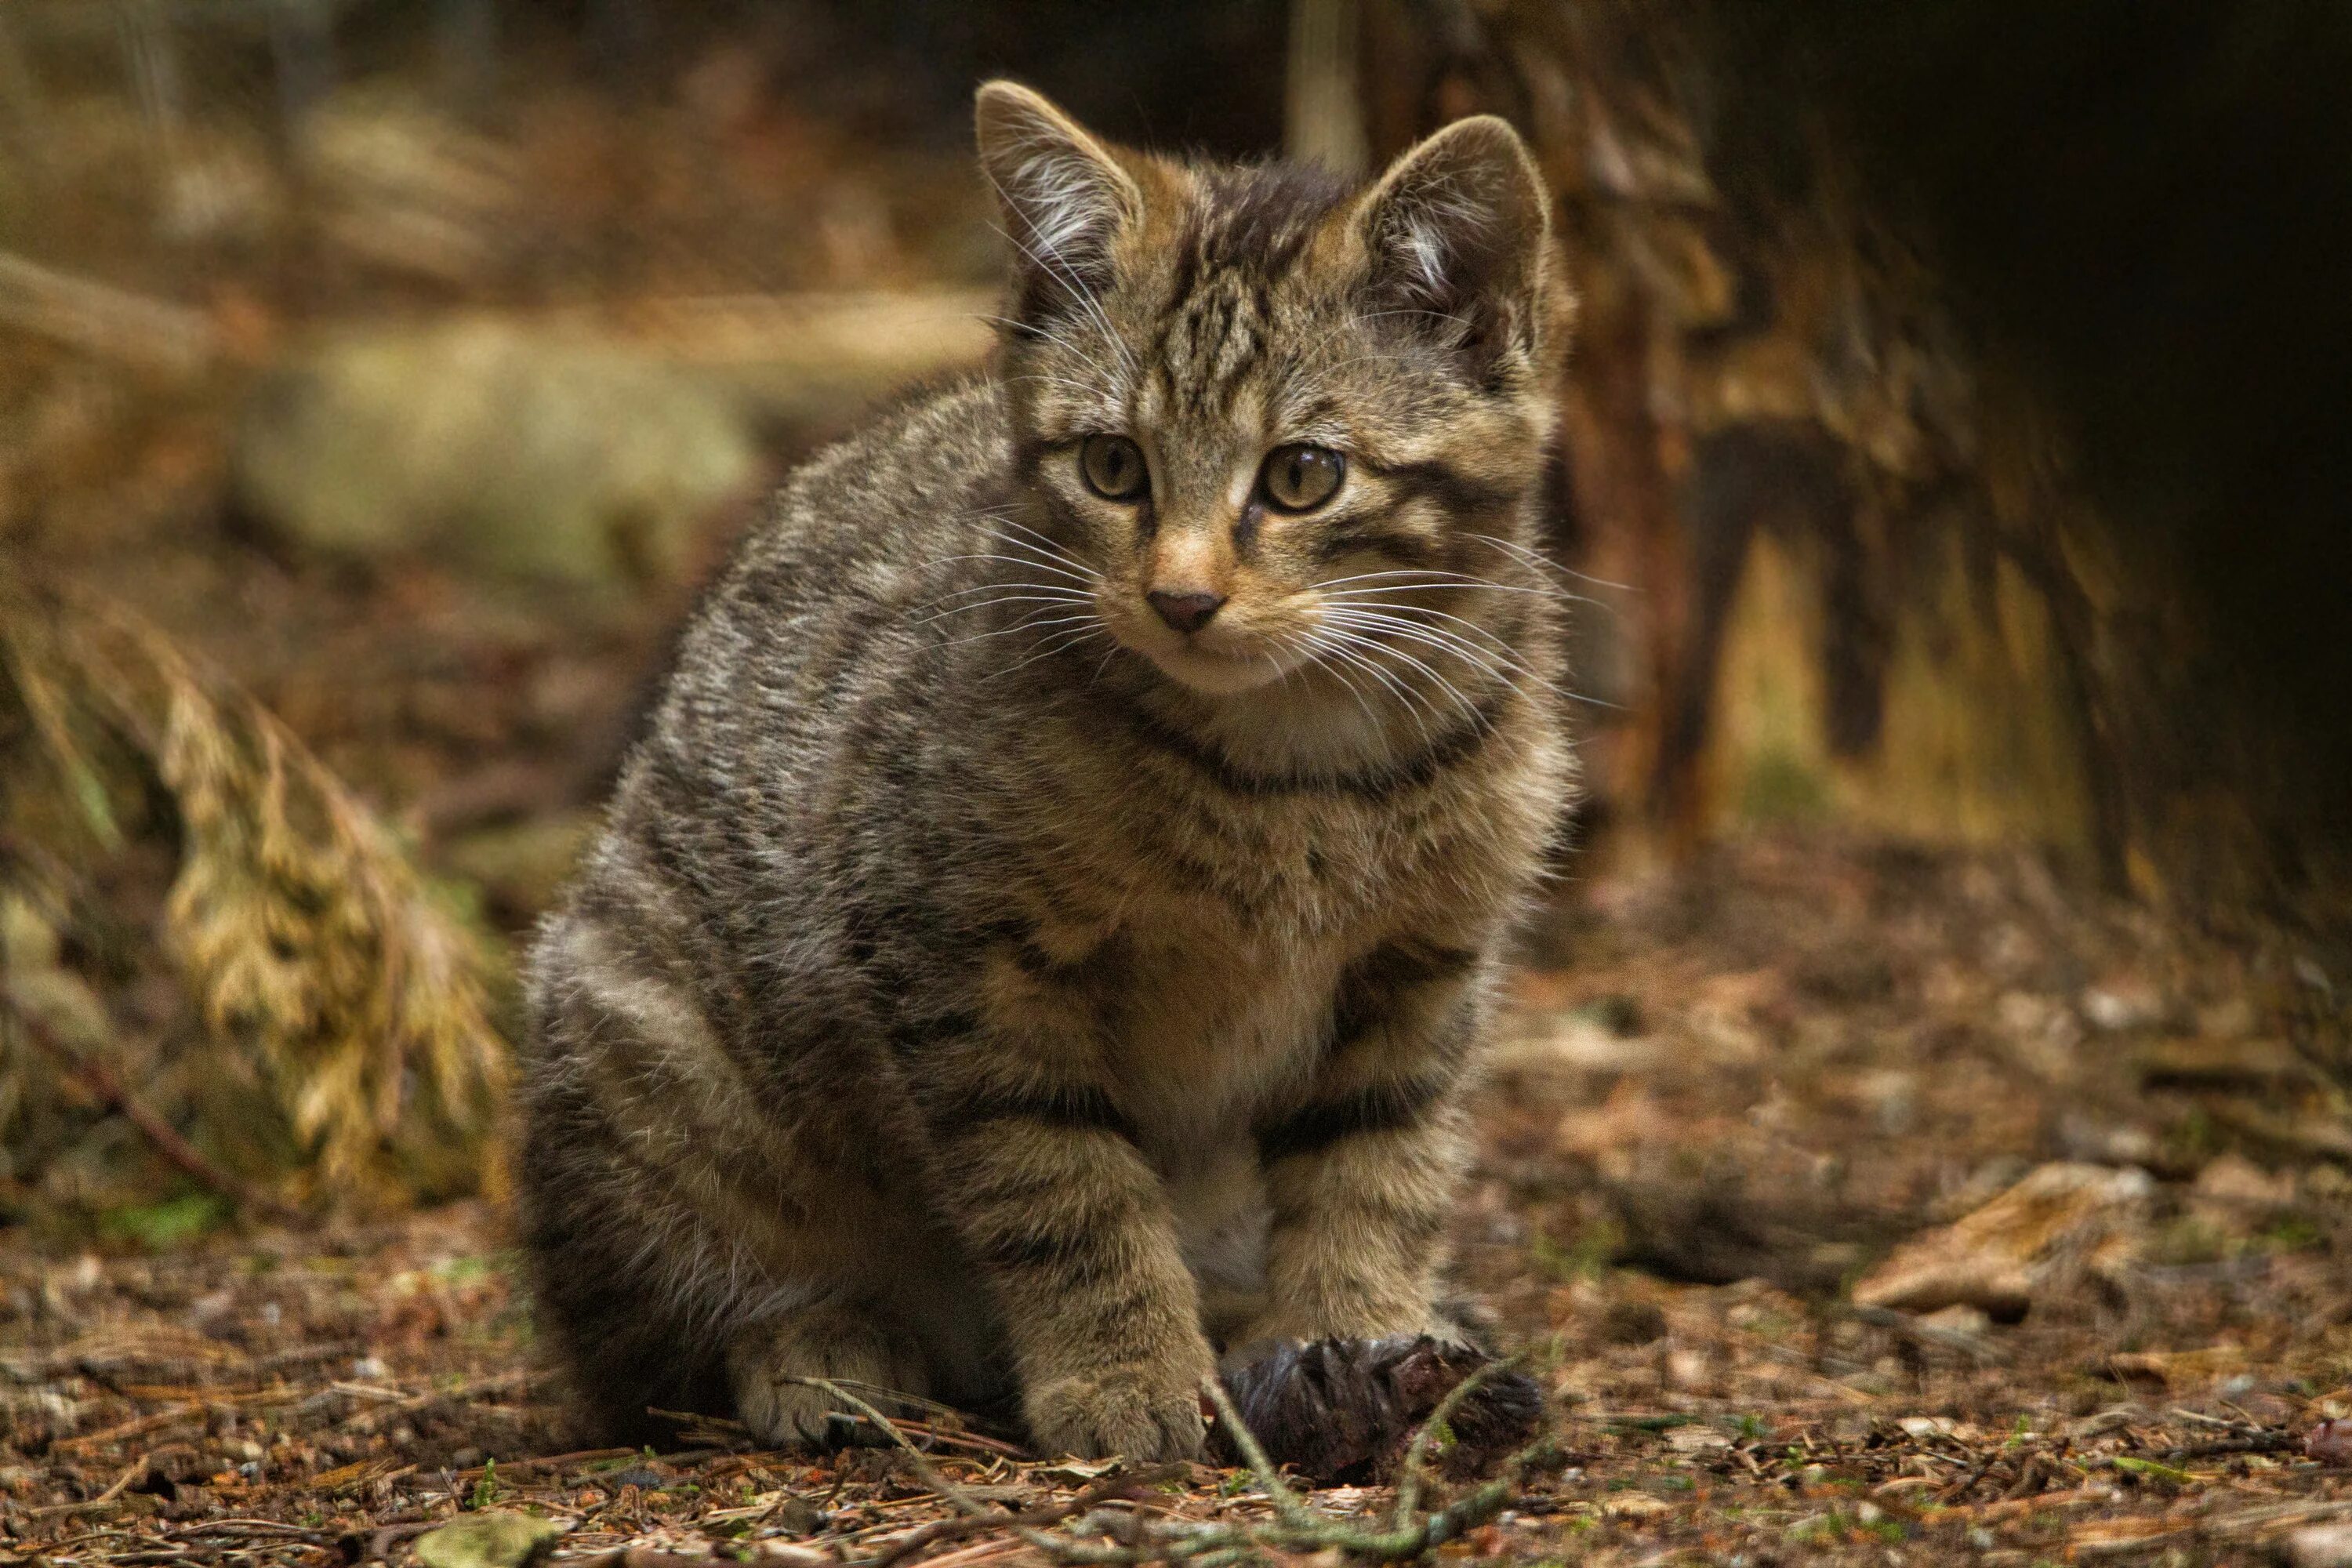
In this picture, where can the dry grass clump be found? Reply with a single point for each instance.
(315, 957)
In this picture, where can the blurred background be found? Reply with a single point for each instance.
(1951, 480)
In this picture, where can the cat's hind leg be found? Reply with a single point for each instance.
(844, 1343)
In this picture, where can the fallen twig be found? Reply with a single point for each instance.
(110, 1092)
(1411, 1472)
(1286, 1505)
(2244, 1442)
(1295, 1529)
(104, 320)
(1110, 1489)
(137, 1469)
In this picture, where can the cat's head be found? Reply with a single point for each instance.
(1258, 409)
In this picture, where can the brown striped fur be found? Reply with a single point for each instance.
(986, 991)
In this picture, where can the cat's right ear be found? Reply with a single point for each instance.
(1458, 232)
(1065, 196)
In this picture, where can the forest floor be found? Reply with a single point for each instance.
(1727, 1106)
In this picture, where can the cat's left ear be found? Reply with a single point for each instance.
(1065, 196)
(1459, 228)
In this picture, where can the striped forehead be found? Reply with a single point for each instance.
(1236, 261)
(1209, 341)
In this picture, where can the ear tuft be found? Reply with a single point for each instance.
(1065, 197)
(1458, 227)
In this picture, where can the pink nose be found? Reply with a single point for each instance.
(1185, 612)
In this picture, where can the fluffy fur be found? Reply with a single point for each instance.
(984, 989)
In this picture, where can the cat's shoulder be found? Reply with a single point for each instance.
(932, 440)
(908, 481)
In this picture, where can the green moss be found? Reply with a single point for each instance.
(174, 1222)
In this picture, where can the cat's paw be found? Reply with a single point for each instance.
(789, 1415)
(769, 1367)
(1132, 1412)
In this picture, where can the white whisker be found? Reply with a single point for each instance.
(1432, 580)
(1429, 671)
(1025, 625)
(1399, 617)
(1071, 602)
(1057, 567)
(1346, 645)
(1427, 637)
(1060, 643)
(1545, 563)
(1060, 271)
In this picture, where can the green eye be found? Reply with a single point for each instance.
(1113, 467)
(1299, 478)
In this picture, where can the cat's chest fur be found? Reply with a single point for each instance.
(1229, 917)
(1209, 1036)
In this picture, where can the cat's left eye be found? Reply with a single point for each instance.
(1114, 468)
(1300, 478)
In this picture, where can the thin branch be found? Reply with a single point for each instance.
(1286, 1502)
(84, 313)
(1295, 1529)
(1110, 1489)
(931, 1475)
(1413, 1471)
(100, 1081)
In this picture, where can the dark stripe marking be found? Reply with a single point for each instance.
(1390, 1106)
(1415, 772)
(1456, 490)
(1077, 1108)
(909, 1036)
(1368, 535)
(1375, 984)
(1080, 1256)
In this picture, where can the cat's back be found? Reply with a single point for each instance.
(818, 659)
(881, 520)
(833, 594)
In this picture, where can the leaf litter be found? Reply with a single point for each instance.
(2166, 1370)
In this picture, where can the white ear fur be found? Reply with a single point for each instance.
(1065, 198)
(1458, 224)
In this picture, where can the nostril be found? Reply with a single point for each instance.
(1185, 612)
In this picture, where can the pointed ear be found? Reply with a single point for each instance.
(1458, 227)
(1065, 196)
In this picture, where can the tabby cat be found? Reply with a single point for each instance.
(1039, 945)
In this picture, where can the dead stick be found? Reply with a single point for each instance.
(1412, 1473)
(930, 1473)
(137, 1469)
(1286, 1507)
(1109, 1489)
(110, 1090)
(83, 313)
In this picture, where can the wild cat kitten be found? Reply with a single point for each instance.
(1041, 942)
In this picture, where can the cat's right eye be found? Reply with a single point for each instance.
(1113, 467)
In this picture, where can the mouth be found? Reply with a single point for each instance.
(1193, 660)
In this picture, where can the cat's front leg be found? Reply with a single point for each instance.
(1362, 1174)
(1040, 1176)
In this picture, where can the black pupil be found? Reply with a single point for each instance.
(1115, 467)
(1301, 476)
